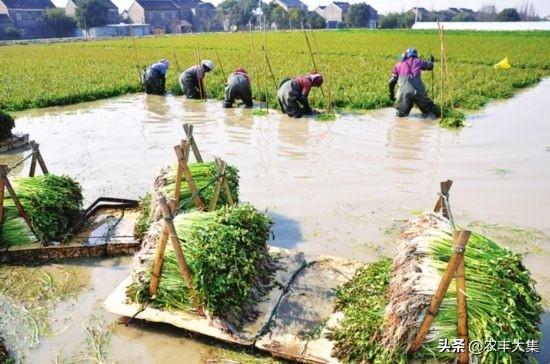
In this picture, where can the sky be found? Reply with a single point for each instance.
(385, 6)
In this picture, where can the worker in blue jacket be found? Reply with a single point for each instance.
(154, 77)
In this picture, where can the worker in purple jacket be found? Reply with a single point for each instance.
(411, 88)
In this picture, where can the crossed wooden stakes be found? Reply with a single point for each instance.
(5, 184)
(455, 268)
(183, 151)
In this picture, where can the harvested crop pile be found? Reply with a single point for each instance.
(383, 313)
(52, 203)
(227, 255)
(6, 125)
(203, 176)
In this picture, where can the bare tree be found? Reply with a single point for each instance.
(487, 12)
(527, 11)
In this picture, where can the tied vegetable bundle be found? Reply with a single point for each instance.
(204, 175)
(385, 305)
(227, 255)
(52, 202)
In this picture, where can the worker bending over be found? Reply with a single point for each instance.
(293, 94)
(192, 80)
(411, 88)
(238, 87)
(154, 77)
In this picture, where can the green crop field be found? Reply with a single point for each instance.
(360, 62)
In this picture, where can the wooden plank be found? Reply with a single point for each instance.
(188, 128)
(189, 178)
(462, 308)
(458, 250)
(227, 191)
(177, 188)
(13, 195)
(219, 182)
(184, 268)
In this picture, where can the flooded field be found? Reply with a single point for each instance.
(339, 188)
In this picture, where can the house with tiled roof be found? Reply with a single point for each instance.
(291, 4)
(162, 15)
(26, 15)
(6, 24)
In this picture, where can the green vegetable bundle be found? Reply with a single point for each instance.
(6, 125)
(502, 302)
(52, 203)
(227, 255)
(203, 174)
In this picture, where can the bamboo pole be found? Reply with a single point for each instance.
(178, 69)
(219, 182)
(189, 178)
(32, 169)
(459, 246)
(268, 67)
(134, 46)
(447, 74)
(188, 128)
(329, 99)
(157, 262)
(253, 50)
(224, 75)
(41, 160)
(442, 100)
(462, 308)
(445, 187)
(199, 69)
(312, 57)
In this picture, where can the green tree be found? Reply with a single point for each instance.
(279, 17)
(389, 21)
(508, 14)
(296, 18)
(57, 23)
(358, 15)
(238, 12)
(315, 20)
(463, 17)
(92, 13)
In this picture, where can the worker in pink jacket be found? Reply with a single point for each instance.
(407, 74)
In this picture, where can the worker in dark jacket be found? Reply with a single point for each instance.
(192, 80)
(293, 94)
(238, 88)
(411, 91)
(154, 77)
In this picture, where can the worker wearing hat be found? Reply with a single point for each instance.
(192, 80)
(406, 74)
(293, 94)
(154, 77)
(238, 88)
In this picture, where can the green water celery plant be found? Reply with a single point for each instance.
(227, 255)
(52, 202)
(502, 302)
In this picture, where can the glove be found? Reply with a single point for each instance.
(392, 96)
(431, 58)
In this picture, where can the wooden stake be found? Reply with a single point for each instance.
(329, 99)
(177, 63)
(459, 246)
(440, 28)
(188, 128)
(445, 186)
(41, 161)
(32, 170)
(177, 188)
(462, 308)
(219, 182)
(189, 178)
(227, 190)
(256, 77)
(199, 69)
(312, 57)
(13, 196)
(2, 189)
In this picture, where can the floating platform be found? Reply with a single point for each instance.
(292, 319)
(14, 142)
(107, 233)
(289, 264)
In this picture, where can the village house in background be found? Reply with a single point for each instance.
(290, 4)
(25, 16)
(335, 15)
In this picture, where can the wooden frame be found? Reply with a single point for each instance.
(37, 157)
(6, 185)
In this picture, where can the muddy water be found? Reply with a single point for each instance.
(335, 188)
